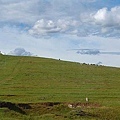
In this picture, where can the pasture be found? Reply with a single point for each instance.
(47, 86)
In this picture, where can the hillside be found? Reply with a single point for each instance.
(37, 80)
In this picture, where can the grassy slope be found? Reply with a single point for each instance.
(33, 80)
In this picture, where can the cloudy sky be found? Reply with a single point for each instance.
(59, 28)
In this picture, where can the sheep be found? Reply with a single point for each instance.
(86, 99)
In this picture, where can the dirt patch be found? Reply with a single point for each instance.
(24, 106)
(49, 107)
(12, 106)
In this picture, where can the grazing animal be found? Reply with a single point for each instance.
(87, 99)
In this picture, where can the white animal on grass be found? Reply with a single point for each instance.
(87, 99)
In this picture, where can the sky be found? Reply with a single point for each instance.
(61, 29)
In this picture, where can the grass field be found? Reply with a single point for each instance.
(34, 81)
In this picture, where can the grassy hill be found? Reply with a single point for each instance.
(35, 80)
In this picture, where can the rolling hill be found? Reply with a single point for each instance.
(33, 80)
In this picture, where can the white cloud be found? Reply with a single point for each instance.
(20, 52)
(52, 16)
(45, 27)
(55, 16)
(100, 16)
(29, 11)
(105, 22)
(108, 18)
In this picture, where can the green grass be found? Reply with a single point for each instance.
(35, 80)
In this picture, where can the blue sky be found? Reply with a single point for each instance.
(53, 28)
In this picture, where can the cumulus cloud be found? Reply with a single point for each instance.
(108, 21)
(105, 22)
(46, 27)
(46, 17)
(108, 18)
(20, 52)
